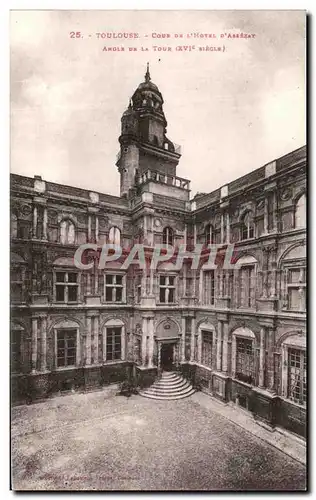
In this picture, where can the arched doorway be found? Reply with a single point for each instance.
(167, 344)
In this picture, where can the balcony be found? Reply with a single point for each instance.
(154, 176)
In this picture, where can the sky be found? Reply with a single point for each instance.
(232, 111)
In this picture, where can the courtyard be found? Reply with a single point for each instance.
(99, 441)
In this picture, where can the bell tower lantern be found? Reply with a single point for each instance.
(144, 144)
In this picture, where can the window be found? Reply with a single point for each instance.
(247, 227)
(113, 343)
(300, 212)
(167, 289)
(247, 286)
(115, 236)
(14, 226)
(67, 232)
(66, 347)
(16, 333)
(114, 287)
(66, 286)
(207, 344)
(245, 360)
(167, 236)
(297, 375)
(296, 288)
(209, 235)
(208, 290)
(16, 284)
(138, 288)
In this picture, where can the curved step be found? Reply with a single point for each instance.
(170, 398)
(176, 390)
(177, 383)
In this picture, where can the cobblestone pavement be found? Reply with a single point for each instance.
(98, 441)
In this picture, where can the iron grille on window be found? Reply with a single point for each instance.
(66, 347)
(297, 376)
(166, 289)
(113, 343)
(245, 360)
(114, 288)
(66, 286)
(207, 343)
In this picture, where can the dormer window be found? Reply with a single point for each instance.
(166, 146)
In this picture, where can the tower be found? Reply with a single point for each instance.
(143, 141)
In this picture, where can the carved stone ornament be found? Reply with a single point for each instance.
(26, 210)
(286, 194)
(157, 222)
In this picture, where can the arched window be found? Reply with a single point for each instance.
(167, 236)
(115, 235)
(247, 227)
(67, 232)
(14, 226)
(209, 235)
(300, 212)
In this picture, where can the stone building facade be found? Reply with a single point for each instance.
(238, 332)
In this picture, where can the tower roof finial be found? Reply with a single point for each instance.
(147, 75)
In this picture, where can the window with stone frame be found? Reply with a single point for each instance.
(66, 286)
(300, 212)
(245, 360)
(209, 234)
(66, 347)
(247, 284)
(67, 232)
(115, 236)
(296, 288)
(167, 236)
(297, 376)
(16, 341)
(113, 343)
(207, 346)
(167, 289)
(114, 287)
(138, 288)
(16, 283)
(14, 226)
(247, 226)
(208, 287)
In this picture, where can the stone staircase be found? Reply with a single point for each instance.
(170, 386)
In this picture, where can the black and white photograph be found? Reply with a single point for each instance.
(158, 273)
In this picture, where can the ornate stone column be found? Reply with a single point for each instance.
(96, 229)
(199, 347)
(144, 340)
(183, 340)
(192, 340)
(262, 356)
(34, 221)
(34, 344)
(43, 343)
(225, 347)
(227, 228)
(96, 340)
(89, 227)
(150, 341)
(266, 215)
(222, 227)
(45, 224)
(219, 347)
(104, 344)
(88, 340)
